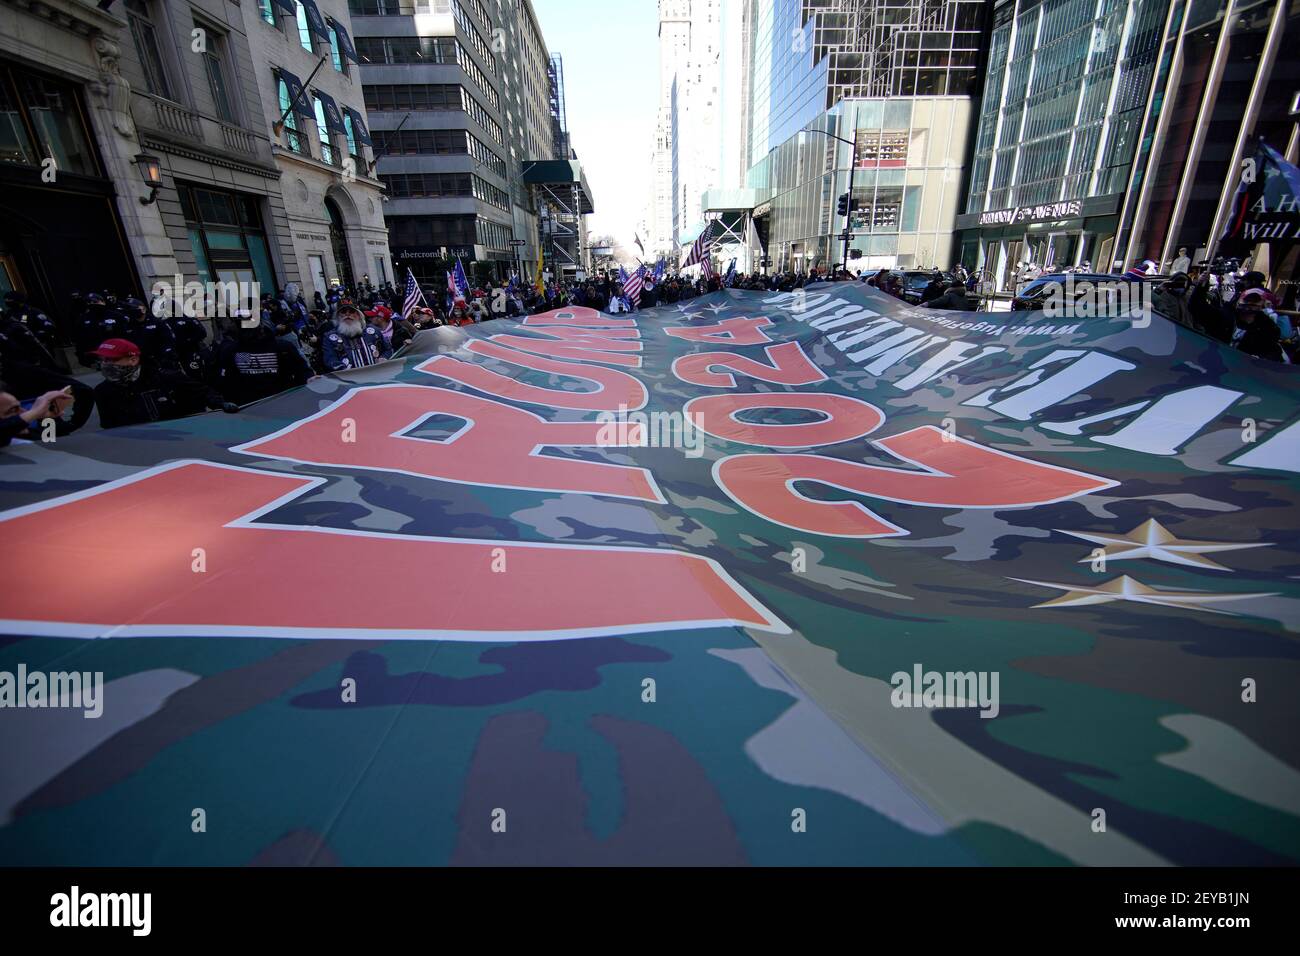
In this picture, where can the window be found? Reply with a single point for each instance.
(326, 148)
(340, 63)
(304, 29)
(227, 236)
(351, 136)
(266, 11)
(41, 118)
(292, 137)
(146, 47)
(214, 58)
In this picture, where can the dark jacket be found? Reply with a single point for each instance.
(157, 395)
(338, 352)
(954, 299)
(1260, 338)
(248, 370)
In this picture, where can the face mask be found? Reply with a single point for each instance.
(120, 373)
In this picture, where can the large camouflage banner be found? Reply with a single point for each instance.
(809, 578)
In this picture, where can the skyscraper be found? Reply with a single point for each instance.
(1062, 114)
(893, 80)
(461, 95)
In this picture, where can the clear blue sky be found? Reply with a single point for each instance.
(611, 91)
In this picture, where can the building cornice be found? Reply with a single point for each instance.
(81, 17)
(310, 162)
(212, 159)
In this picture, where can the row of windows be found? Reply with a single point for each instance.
(436, 185)
(422, 231)
(217, 64)
(493, 234)
(296, 139)
(430, 96)
(417, 142)
(446, 50)
(475, 38)
(398, 8)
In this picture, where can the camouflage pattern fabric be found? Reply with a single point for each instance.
(436, 639)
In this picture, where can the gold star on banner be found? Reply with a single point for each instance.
(1153, 540)
(1125, 588)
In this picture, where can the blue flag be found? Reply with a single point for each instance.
(462, 281)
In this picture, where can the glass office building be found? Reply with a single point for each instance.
(893, 76)
(1232, 75)
(1067, 92)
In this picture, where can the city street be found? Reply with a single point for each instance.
(524, 433)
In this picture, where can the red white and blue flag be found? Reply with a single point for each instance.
(700, 248)
(632, 286)
(413, 296)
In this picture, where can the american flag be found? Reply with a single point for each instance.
(414, 297)
(700, 248)
(632, 287)
(638, 242)
(452, 292)
(706, 267)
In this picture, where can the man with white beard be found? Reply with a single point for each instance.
(354, 343)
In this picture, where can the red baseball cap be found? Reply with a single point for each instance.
(116, 348)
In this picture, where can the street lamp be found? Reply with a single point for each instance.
(151, 172)
(848, 207)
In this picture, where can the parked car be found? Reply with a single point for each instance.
(915, 281)
(1109, 294)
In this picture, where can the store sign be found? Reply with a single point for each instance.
(437, 252)
(1044, 212)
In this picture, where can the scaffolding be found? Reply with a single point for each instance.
(558, 191)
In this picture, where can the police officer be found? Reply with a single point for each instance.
(135, 391)
(36, 321)
(190, 337)
(353, 342)
(98, 322)
(152, 334)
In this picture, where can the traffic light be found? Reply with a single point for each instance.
(843, 207)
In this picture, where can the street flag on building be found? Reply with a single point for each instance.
(413, 296)
(632, 286)
(1267, 204)
(462, 280)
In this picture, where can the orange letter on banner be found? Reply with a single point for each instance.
(500, 446)
(579, 315)
(738, 331)
(960, 474)
(846, 418)
(789, 366)
(593, 349)
(614, 389)
(271, 580)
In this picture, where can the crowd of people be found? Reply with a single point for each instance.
(157, 365)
